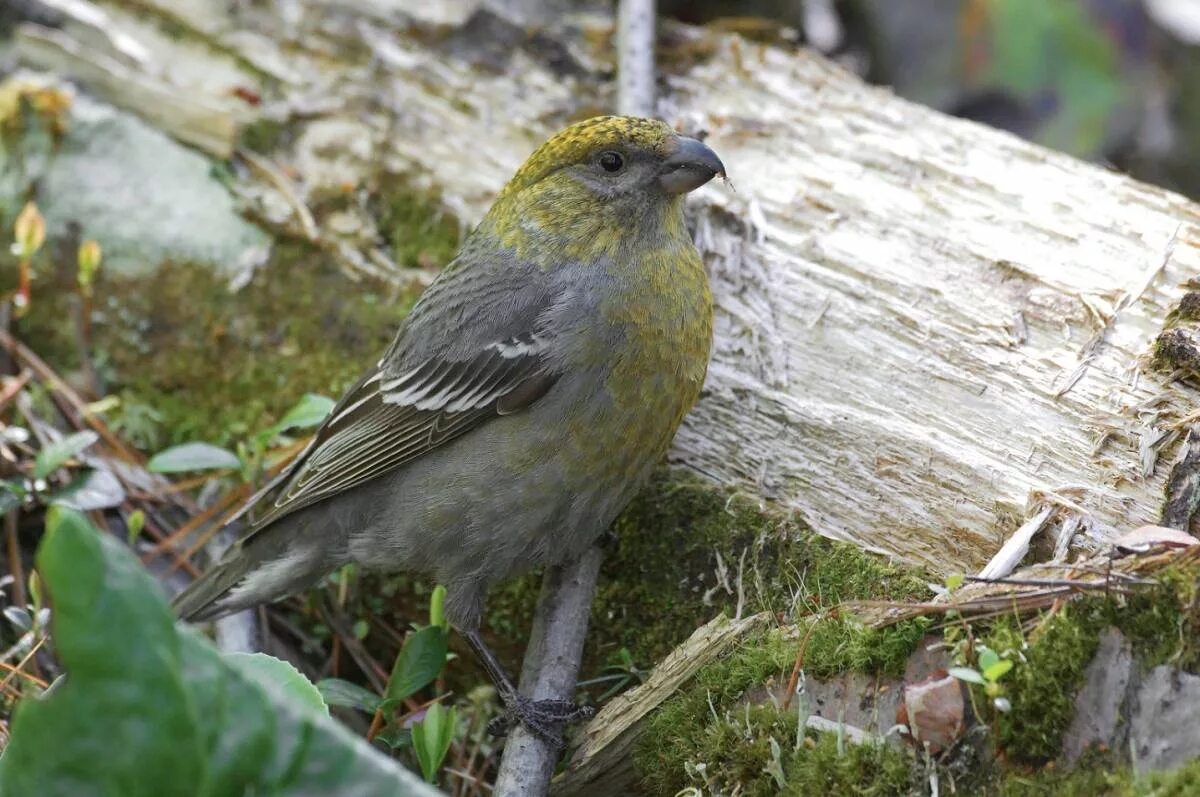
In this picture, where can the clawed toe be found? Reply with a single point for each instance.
(544, 718)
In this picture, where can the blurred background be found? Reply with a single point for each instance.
(1112, 81)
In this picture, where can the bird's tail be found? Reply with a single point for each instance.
(206, 598)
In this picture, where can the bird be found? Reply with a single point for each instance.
(524, 400)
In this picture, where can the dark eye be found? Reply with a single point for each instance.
(611, 161)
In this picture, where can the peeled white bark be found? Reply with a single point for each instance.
(927, 327)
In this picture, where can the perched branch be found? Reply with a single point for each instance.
(635, 57)
(560, 621)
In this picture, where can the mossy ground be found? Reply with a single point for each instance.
(193, 360)
(708, 735)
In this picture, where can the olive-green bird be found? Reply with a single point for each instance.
(524, 401)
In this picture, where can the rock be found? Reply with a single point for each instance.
(146, 198)
(1165, 726)
(934, 711)
(857, 700)
(1099, 718)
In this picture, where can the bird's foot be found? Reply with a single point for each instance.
(543, 718)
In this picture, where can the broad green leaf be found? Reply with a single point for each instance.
(55, 455)
(419, 662)
(277, 674)
(954, 581)
(337, 692)
(997, 670)
(431, 739)
(192, 456)
(966, 674)
(308, 412)
(151, 708)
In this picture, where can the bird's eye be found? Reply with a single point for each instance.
(611, 161)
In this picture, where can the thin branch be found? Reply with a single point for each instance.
(555, 647)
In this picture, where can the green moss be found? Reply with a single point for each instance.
(264, 135)
(1043, 684)
(844, 645)
(194, 361)
(1086, 781)
(419, 234)
(1182, 782)
(1053, 657)
(1176, 350)
(706, 737)
(707, 723)
(660, 579)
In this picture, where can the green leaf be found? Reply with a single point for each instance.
(997, 670)
(954, 581)
(55, 455)
(437, 608)
(419, 662)
(192, 456)
(396, 736)
(308, 412)
(431, 739)
(337, 692)
(134, 525)
(966, 674)
(279, 675)
(987, 659)
(151, 708)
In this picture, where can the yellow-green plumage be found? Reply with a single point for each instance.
(526, 398)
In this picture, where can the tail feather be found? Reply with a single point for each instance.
(278, 560)
(204, 598)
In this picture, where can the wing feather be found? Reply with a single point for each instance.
(388, 420)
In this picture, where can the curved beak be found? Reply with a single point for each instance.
(689, 165)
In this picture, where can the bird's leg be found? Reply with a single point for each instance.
(544, 718)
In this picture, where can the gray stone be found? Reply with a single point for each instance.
(145, 197)
(1165, 726)
(1099, 719)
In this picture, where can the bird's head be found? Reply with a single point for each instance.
(605, 178)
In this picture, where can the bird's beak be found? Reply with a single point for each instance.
(689, 165)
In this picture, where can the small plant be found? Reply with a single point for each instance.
(30, 234)
(620, 675)
(990, 668)
(431, 739)
(251, 455)
(398, 722)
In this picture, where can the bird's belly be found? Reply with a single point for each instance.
(519, 491)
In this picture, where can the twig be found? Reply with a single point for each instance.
(560, 620)
(277, 178)
(14, 558)
(76, 409)
(1014, 550)
(635, 57)
(550, 670)
(1040, 582)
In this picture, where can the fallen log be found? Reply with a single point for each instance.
(927, 330)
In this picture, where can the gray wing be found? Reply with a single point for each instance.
(426, 391)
